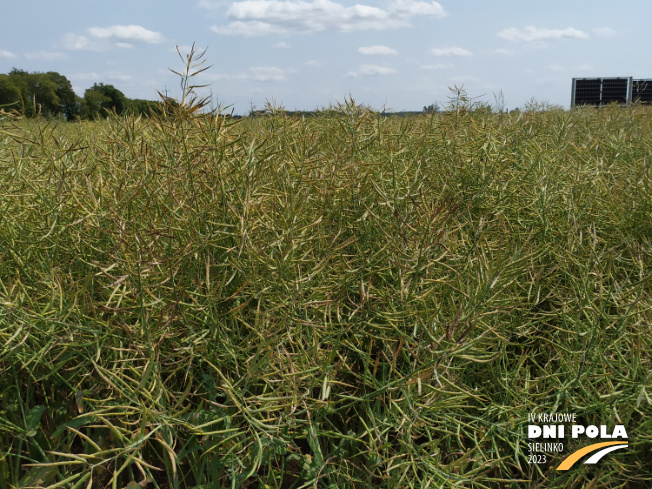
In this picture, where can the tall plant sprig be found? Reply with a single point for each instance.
(190, 102)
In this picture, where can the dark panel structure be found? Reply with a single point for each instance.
(586, 91)
(601, 91)
(642, 91)
(616, 90)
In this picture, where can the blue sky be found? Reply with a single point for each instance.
(307, 54)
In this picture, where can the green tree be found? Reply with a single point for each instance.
(69, 103)
(49, 94)
(19, 80)
(38, 94)
(43, 93)
(432, 108)
(10, 96)
(115, 99)
(95, 104)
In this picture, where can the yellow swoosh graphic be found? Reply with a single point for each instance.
(575, 456)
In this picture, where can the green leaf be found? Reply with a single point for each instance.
(280, 446)
(73, 423)
(33, 420)
(38, 476)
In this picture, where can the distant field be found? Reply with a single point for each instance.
(347, 300)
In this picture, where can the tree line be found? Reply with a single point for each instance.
(51, 95)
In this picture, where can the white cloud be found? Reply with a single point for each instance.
(604, 32)
(261, 17)
(410, 8)
(248, 29)
(452, 51)
(531, 33)
(282, 45)
(7, 54)
(121, 36)
(374, 50)
(134, 33)
(372, 70)
(76, 42)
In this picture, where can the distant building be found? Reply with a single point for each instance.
(604, 91)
